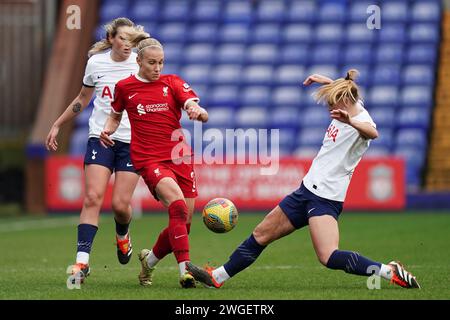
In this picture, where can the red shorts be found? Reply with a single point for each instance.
(183, 174)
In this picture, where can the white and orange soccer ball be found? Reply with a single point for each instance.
(220, 215)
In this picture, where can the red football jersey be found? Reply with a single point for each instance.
(154, 109)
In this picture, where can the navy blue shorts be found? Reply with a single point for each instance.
(302, 204)
(115, 158)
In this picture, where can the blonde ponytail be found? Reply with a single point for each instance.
(341, 90)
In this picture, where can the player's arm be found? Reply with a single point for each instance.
(195, 112)
(111, 125)
(317, 78)
(75, 107)
(365, 129)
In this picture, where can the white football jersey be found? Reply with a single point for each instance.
(341, 151)
(103, 73)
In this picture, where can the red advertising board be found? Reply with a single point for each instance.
(376, 184)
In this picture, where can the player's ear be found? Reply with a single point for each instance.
(138, 60)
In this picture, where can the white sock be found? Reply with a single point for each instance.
(220, 275)
(385, 272)
(152, 260)
(182, 266)
(82, 257)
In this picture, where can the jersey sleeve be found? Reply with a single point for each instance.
(183, 92)
(365, 117)
(88, 75)
(117, 105)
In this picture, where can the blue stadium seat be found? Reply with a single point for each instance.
(329, 33)
(358, 53)
(312, 137)
(392, 33)
(207, 11)
(359, 33)
(297, 33)
(289, 74)
(262, 53)
(395, 11)
(414, 117)
(315, 117)
(284, 117)
(383, 96)
(333, 11)
(414, 161)
(144, 10)
(172, 32)
(385, 139)
(287, 140)
(376, 152)
(203, 32)
(234, 33)
(383, 117)
(196, 73)
(424, 33)
(257, 75)
(418, 75)
(224, 96)
(175, 11)
(173, 53)
(221, 116)
(271, 11)
(171, 68)
(230, 53)
(255, 96)
(78, 141)
(111, 9)
(411, 137)
(390, 53)
(326, 54)
(417, 96)
(426, 11)
(251, 117)
(99, 33)
(422, 53)
(365, 73)
(226, 74)
(287, 96)
(238, 11)
(329, 70)
(358, 10)
(306, 152)
(199, 53)
(387, 74)
(266, 33)
(303, 11)
(295, 53)
(202, 92)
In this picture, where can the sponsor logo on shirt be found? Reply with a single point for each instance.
(186, 87)
(157, 107)
(165, 91)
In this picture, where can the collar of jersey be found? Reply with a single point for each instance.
(141, 79)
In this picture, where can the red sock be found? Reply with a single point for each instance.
(162, 246)
(178, 235)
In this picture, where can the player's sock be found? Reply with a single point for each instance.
(121, 229)
(385, 272)
(178, 236)
(352, 262)
(220, 274)
(162, 246)
(243, 256)
(86, 234)
(152, 259)
(182, 267)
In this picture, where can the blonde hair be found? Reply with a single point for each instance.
(111, 29)
(142, 43)
(341, 90)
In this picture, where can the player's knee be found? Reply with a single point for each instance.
(120, 207)
(262, 236)
(93, 199)
(324, 256)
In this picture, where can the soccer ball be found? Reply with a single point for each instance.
(220, 215)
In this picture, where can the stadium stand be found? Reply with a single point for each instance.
(249, 58)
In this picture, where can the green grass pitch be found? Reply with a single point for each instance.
(36, 253)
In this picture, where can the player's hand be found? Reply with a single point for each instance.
(317, 78)
(105, 139)
(50, 143)
(340, 115)
(197, 113)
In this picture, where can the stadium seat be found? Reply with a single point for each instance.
(249, 117)
(414, 117)
(424, 33)
(418, 75)
(287, 96)
(173, 53)
(196, 73)
(412, 138)
(383, 117)
(256, 96)
(207, 11)
(385, 139)
(295, 54)
(78, 141)
(359, 33)
(224, 96)
(358, 10)
(284, 117)
(271, 11)
(392, 33)
(365, 73)
(287, 140)
(390, 53)
(395, 11)
(269, 33)
(230, 53)
(172, 32)
(306, 152)
(329, 70)
(226, 74)
(376, 152)
(329, 33)
(358, 53)
(234, 33)
(258, 75)
(417, 96)
(111, 9)
(387, 74)
(333, 11)
(175, 10)
(199, 53)
(311, 137)
(302, 11)
(426, 11)
(383, 96)
(238, 11)
(297, 33)
(326, 54)
(422, 53)
(289, 74)
(203, 32)
(222, 117)
(262, 53)
(144, 10)
(171, 68)
(315, 117)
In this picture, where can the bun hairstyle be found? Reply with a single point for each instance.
(343, 90)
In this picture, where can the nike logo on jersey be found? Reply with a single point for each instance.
(130, 97)
(311, 210)
(181, 236)
(99, 77)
